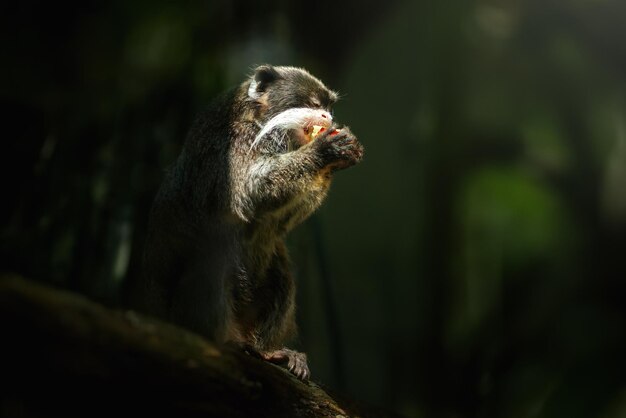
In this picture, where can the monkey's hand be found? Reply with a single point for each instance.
(339, 148)
(293, 361)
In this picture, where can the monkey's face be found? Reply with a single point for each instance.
(289, 102)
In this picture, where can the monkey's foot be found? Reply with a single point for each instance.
(293, 361)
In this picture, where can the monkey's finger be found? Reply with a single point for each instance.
(292, 363)
(303, 372)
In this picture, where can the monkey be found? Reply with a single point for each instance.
(215, 260)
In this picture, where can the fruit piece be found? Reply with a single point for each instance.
(317, 129)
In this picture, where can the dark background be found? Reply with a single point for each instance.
(471, 266)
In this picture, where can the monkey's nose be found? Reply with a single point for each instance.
(327, 115)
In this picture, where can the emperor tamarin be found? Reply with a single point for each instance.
(250, 170)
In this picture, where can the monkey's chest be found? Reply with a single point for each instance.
(272, 227)
(278, 222)
(299, 208)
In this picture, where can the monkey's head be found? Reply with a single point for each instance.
(288, 101)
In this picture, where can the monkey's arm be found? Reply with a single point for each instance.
(273, 180)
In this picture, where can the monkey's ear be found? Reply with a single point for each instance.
(264, 75)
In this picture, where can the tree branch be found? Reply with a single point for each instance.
(65, 355)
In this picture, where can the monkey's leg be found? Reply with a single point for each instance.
(275, 321)
(197, 301)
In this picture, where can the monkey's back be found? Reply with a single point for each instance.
(191, 249)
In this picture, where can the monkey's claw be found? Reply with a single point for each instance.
(293, 361)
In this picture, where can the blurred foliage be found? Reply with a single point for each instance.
(475, 257)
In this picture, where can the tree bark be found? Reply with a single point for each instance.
(64, 355)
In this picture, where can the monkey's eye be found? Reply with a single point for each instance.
(315, 103)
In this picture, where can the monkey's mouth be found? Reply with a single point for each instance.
(304, 135)
(313, 131)
(297, 125)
